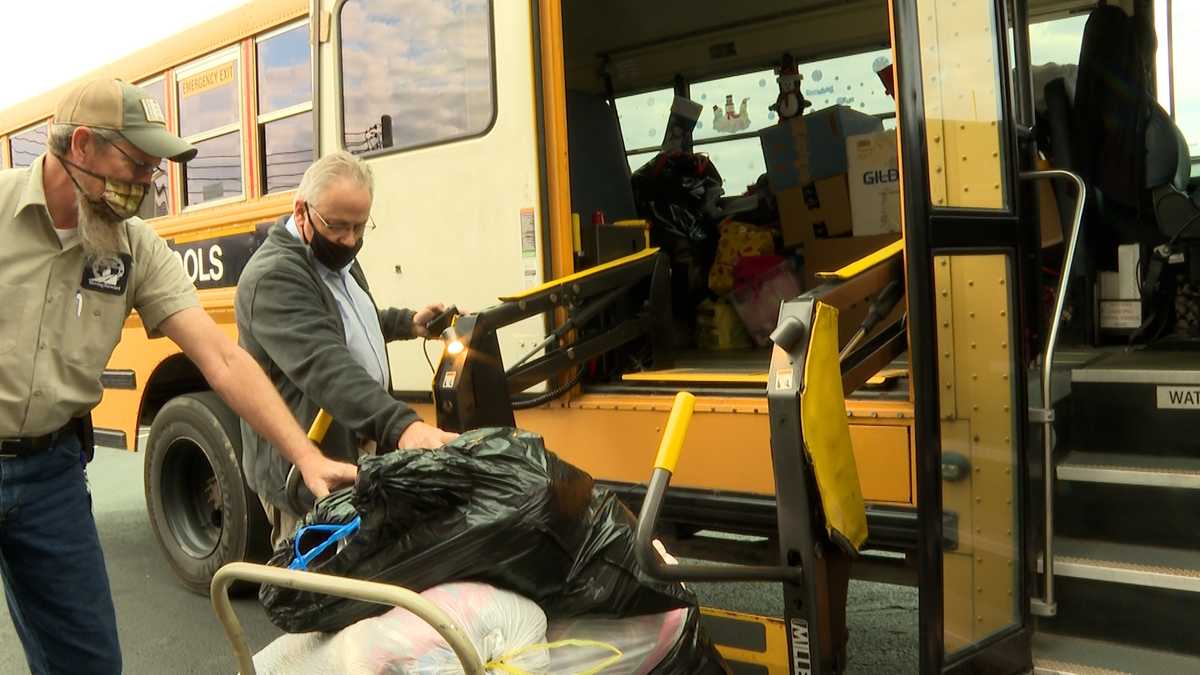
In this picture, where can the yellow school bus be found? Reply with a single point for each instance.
(503, 137)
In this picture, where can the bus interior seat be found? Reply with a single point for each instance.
(1126, 148)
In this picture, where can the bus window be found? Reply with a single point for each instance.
(962, 106)
(155, 204)
(850, 80)
(437, 84)
(729, 103)
(1186, 90)
(27, 145)
(643, 119)
(210, 119)
(285, 107)
(845, 80)
(1054, 53)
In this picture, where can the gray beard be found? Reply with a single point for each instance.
(99, 233)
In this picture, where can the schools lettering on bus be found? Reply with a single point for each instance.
(201, 267)
(218, 262)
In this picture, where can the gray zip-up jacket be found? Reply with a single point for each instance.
(289, 322)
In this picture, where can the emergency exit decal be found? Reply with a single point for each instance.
(1179, 398)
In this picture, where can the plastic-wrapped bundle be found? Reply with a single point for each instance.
(492, 506)
(503, 627)
(671, 643)
(510, 635)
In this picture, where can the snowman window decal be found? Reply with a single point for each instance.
(730, 122)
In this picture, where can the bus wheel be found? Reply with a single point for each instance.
(202, 513)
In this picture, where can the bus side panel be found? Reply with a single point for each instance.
(725, 450)
(119, 409)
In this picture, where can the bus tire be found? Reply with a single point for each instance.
(200, 508)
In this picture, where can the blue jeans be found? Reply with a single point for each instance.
(53, 568)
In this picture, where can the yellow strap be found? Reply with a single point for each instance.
(675, 432)
(499, 664)
(320, 426)
(827, 433)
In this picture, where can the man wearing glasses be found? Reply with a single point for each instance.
(305, 312)
(76, 262)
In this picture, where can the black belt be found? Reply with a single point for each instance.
(32, 445)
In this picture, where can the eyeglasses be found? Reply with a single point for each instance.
(359, 229)
(141, 168)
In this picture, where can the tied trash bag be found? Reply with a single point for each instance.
(492, 506)
(507, 631)
(677, 192)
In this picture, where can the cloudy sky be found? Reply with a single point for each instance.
(81, 35)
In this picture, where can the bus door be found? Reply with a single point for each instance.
(964, 246)
(441, 99)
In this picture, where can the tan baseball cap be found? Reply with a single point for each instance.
(128, 110)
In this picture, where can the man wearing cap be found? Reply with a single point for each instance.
(76, 262)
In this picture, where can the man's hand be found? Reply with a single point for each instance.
(323, 475)
(422, 318)
(422, 436)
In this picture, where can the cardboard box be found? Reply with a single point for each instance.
(873, 174)
(1122, 284)
(813, 146)
(829, 255)
(816, 210)
(1048, 213)
(1120, 298)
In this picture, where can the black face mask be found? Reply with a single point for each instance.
(329, 253)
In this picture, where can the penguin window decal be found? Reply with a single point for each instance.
(790, 102)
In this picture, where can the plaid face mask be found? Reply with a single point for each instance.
(123, 199)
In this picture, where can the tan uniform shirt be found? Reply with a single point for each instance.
(61, 315)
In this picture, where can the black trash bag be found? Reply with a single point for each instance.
(694, 653)
(677, 193)
(492, 506)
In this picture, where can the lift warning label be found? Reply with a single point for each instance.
(801, 650)
(1179, 398)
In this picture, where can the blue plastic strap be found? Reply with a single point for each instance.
(300, 560)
